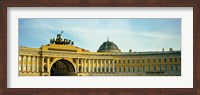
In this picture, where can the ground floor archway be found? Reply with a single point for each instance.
(62, 68)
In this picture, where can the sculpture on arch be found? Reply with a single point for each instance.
(60, 41)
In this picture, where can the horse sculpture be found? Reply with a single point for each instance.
(59, 40)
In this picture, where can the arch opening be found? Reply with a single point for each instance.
(62, 68)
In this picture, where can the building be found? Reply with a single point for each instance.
(62, 58)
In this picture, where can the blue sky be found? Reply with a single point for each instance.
(136, 34)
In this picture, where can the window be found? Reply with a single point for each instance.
(95, 69)
(132, 61)
(119, 61)
(154, 60)
(107, 69)
(124, 69)
(143, 61)
(138, 61)
(175, 59)
(171, 67)
(99, 69)
(115, 69)
(143, 68)
(148, 60)
(154, 68)
(128, 61)
(160, 68)
(102, 69)
(120, 69)
(124, 61)
(86, 69)
(159, 60)
(149, 68)
(170, 59)
(133, 69)
(129, 69)
(176, 68)
(111, 70)
(165, 67)
(138, 69)
(165, 60)
(115, 61)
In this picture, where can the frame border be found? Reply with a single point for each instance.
(97, 3)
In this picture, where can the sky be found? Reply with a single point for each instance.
(139, 34)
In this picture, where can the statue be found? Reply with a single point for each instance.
(59, 35)
(59, 40)
(51, 41)
(69, 42)
(65, 41)
(72, 43)
(54, 41)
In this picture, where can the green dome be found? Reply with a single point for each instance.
(108, 47)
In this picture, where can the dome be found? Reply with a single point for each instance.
(108, 46)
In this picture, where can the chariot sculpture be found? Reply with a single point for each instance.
(59, 40)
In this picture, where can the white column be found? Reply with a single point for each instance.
(109, 65)
(27, 63)
(35, 60)
(93, 65)
(22, 58)
(105, 66)
(37, 64)
(101, 65)
(89, 65)
(97, 65)
(19, 63)
(113, 63)
(47, 65)
(32, 63)
(82, 66)
(42, 67)
(77, 67)
(23, 62)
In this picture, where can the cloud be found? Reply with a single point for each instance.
(91, 33)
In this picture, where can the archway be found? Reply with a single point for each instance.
(62, 68)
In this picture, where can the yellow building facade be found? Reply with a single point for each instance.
(58, 59)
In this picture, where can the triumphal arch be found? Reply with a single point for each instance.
(62, 58)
